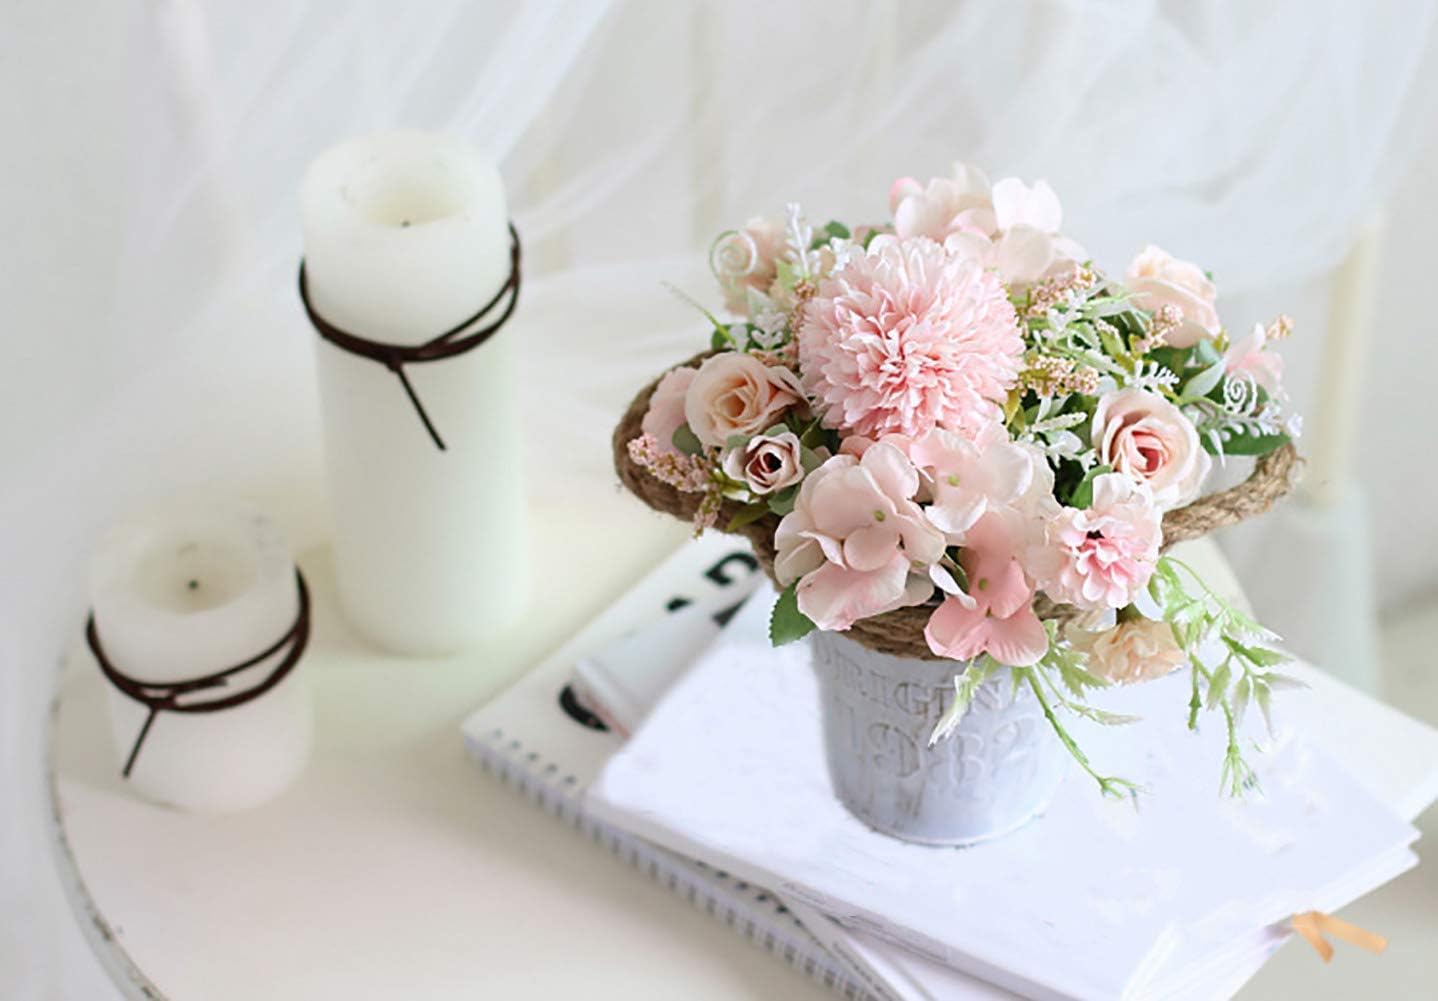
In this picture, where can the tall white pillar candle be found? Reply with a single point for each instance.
(186, 591)
(406, 235)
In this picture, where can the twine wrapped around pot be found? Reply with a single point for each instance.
(901, 632)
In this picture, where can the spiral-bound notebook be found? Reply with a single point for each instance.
(539, 738)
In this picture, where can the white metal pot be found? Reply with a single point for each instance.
(996, 772)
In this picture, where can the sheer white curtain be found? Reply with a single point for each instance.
(153, 338)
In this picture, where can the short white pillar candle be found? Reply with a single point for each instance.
(188, 590)
(407, 234)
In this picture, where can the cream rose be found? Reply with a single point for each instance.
(747, 259)
(1157, 279)
(666, 407)
(736, 393)
(1143, 436)
(766, 463)
(1137, 650)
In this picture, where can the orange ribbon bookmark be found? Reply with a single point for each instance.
(1313, 925)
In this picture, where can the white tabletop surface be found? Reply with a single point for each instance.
(394, 868)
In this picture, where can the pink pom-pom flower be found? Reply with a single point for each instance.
(905, 337)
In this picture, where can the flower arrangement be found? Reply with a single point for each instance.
(955, 437)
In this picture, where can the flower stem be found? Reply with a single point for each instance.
(1237, 775)
(1194, 702)
(1110, 785)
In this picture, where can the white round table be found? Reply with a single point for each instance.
(395, 868)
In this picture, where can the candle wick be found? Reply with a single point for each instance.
(194, 585)
(404, 222)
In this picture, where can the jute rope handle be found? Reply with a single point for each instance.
(901, 632)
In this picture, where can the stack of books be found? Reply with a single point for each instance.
(671, 731)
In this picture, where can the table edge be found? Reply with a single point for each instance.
(104, 944)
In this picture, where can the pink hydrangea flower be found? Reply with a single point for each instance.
(905, 338)
(947, 205)
(998, 616)
(1009, 226)
(1103, 556)
(1028, 244)
(967, 478)
(856, 541)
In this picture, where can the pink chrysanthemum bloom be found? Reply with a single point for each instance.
(905, 338)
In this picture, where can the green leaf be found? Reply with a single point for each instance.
(833, 230)
(720, 340)
(1173, 359)
(1112, 346)
(686, 441)
(1260, 695)
(812, 436)
(783, 502)
(1203, 383)
(1251, 444)
(1218, 685)
(809, 459)
(966, 686)
(788, 277)
(747, 515)
(1257, 655)
(1105, 307)
(786, 622)
(1205, 353)
(1083, 493)
(1101, 716)
(1240, 698)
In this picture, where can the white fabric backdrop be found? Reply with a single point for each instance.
(155, 151)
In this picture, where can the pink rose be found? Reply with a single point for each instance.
(1143, 436)
(736, 393)
(856, 541)
(1137, 650)
(1103, 556)
(666, 408)
(766, 464)
(1158, 279)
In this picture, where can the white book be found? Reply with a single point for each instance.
(549, 755)
(623, 681)
(1171, 898)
